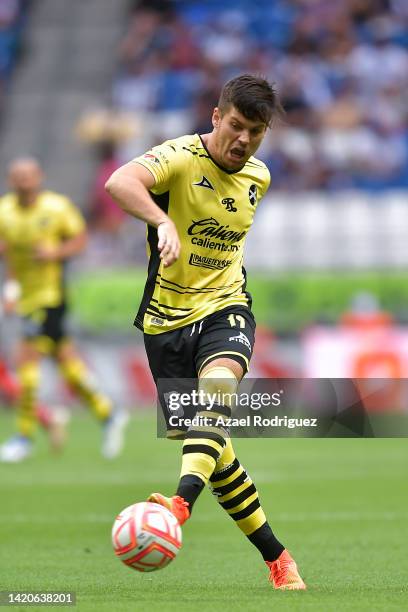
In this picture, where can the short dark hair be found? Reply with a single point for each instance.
(253, 96)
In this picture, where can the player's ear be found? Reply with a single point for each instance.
(216, 117)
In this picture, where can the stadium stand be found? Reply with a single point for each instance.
(342, 110)
(12, 20)
(340, 155)
(67, 68)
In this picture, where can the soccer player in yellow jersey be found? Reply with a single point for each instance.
(198, 196)
(41, 230)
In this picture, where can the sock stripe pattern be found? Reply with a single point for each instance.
(239, 479)
(237, 494)
(202, 447)
(208, 435)
(226, 472)
(205, 449)
(247, 511)
(238, 499)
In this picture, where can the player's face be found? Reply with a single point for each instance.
(236, 138)
(25, 177)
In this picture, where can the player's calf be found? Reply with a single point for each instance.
(204, 444)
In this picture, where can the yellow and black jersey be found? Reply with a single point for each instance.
(213, 210)
(51, 219)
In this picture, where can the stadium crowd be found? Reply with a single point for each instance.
(12, 18)
(341, 68)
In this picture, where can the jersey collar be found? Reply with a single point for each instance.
(216, 163)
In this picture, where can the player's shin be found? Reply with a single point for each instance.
(29, 378)
(201, 449)
(79, 379)
(237, 494)
(204, 444)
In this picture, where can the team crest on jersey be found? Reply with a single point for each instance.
(204, 183)
(228, 203)
(253, 194)
(152, 158)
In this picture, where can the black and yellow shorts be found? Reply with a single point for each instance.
(45, 326)
(182, 353)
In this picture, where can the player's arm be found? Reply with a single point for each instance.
(129, 186)
(11, 290)
(65, 250)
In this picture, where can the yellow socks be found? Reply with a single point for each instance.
(77, 376)
(29, 379)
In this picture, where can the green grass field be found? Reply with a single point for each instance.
(340, 506)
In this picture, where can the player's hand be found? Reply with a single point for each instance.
(169, 242)
(11, 294)
(46, 253)
(9, 306)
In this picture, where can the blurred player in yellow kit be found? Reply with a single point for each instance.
(52, 420)
(41, 230)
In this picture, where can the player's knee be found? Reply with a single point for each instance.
(219, 381)
(29, 374)
(27, 353)
(64, 352)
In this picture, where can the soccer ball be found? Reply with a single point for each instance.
(146, 536)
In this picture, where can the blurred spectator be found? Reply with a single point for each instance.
(12, 14)
(341, 68)
(105, 130)
(105, 214)
(114, 238)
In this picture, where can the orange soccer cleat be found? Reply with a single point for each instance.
(176, 504)
(284, 573)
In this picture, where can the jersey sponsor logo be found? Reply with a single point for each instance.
(204, 183)
(152, 158)
(210, 227)
(207, 243)
(208, 262)
(157, 321)
(241, 338)
(253, 194)
(228, 203)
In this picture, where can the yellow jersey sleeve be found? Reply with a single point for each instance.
(164, 162)
(3, 216)
(71, 221)
(265, 183)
